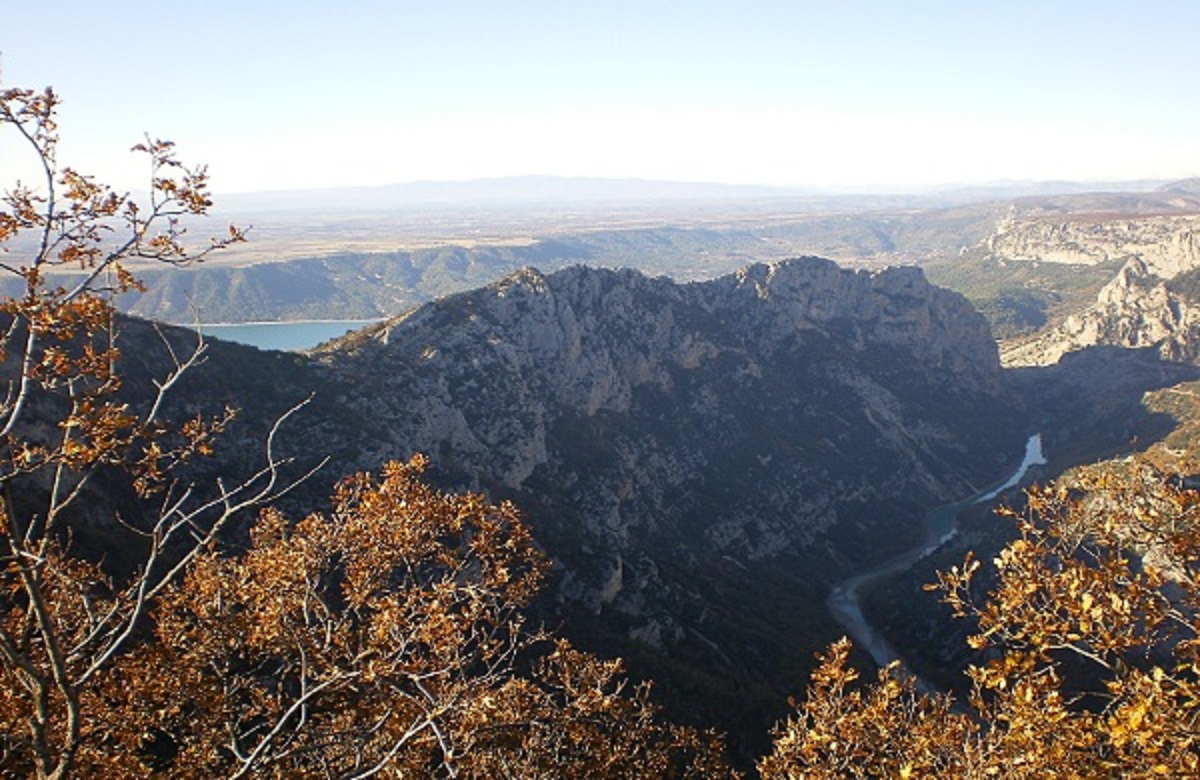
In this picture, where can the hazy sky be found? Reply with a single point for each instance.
(278, 95)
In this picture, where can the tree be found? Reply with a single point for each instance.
(63, 424)
(386, 635)
(888, 730)
(1091, 626)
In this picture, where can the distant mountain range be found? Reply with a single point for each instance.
(1190, 186)
(563, 191)
(517, 190)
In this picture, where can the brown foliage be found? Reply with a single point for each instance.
(887, 730)
(62, 622)
(385, 635)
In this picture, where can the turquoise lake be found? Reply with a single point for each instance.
(284, 336)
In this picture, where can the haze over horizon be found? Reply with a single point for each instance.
(865, 95)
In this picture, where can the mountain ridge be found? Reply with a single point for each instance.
(701, 460)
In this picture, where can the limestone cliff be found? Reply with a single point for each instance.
(1139, 307)
(1166, 245)
(791, 411)
(1136, 309)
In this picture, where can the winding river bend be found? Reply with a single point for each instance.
(940, 527)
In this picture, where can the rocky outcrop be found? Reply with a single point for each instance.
(1167, 245)
(780, 412)
(896, 308)
(1136, 309)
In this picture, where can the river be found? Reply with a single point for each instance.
(940, 527)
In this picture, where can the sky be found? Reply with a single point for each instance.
(849, 95)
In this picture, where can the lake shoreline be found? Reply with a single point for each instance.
(282, 336)
(256, 323)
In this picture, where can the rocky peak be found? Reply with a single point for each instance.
(775, 423)
(1136, 309)
(503, 384)
(589, 336)
(896, 307)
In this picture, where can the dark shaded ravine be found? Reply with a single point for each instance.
(940, 527)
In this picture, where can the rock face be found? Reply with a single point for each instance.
(1140, 307)
(669, 442)
(1135, 310)
(1166, 245)
(505, 385)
